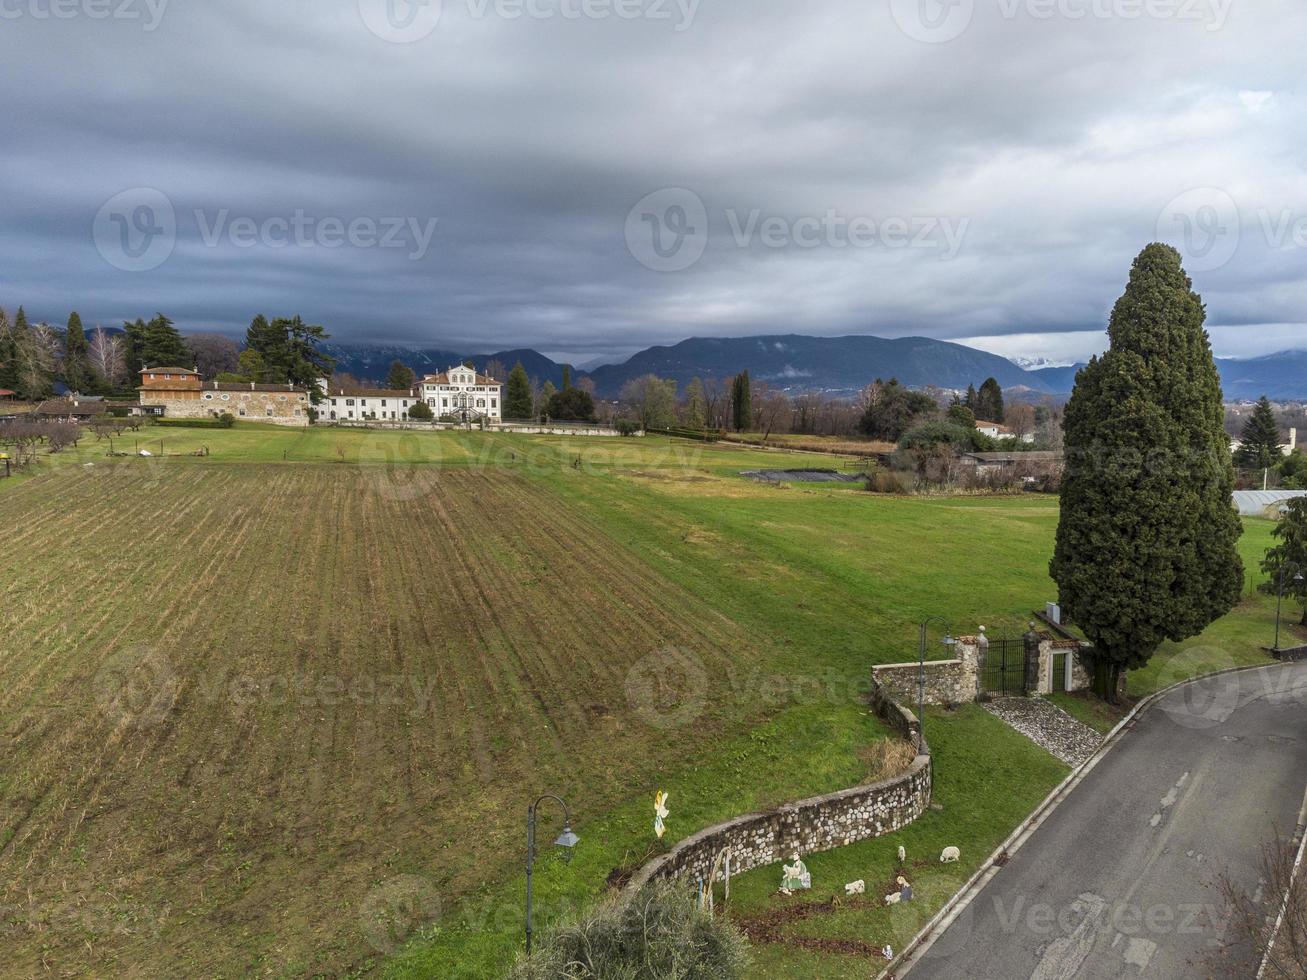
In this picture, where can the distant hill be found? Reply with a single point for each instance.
(838, 365)
(1282, 377)
(833, 364)
(372, 363)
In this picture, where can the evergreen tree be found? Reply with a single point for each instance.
(989, 402)
(154, 344)
(400, 377)
(972, 401)
(547, 392)
(893, 409)
(696, 405)
(8, 353)
(567, 377)
(517, 399)
(1289, 557)
(571, 405)
(960, 414)
(741, 402)
(290, 351)
(1147, 545)
(77, 366)
(1260, 447)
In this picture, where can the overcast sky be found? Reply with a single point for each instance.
(590, 177)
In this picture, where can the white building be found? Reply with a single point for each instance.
(457, 394)
(462, 393)
(364, 404)
(997, 430)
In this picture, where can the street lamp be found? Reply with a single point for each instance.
(566, 840)
(921, 670)
(1279, 597)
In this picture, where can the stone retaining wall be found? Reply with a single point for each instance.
(954, 681)
(808, 827)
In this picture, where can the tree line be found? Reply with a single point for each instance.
(33, 357)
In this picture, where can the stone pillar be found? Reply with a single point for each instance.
(1032, 640)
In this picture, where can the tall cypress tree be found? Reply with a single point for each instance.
(77, 365)
(990, 402)
(8, 354)
(517, 398)
(1147, 545)
(741, 402)
(1260, 446)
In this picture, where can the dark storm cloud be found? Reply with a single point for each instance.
(472, 187)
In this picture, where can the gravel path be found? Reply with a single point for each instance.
(1048, 726)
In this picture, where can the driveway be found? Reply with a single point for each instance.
(1118, 881)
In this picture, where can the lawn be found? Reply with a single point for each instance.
(280, 709)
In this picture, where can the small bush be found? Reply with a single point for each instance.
(626, 427)
(659, 934)
(885, 481)
(421, 412)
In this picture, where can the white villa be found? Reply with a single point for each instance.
(457, 394)
(461, 391)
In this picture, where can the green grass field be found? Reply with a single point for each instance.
(280, 710)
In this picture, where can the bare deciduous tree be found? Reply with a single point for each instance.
(108, 359)
(1271, 924)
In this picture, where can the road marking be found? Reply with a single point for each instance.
(1169, 800)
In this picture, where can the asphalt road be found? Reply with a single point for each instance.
(1118, 881)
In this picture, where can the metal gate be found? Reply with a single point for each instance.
(1004, 669)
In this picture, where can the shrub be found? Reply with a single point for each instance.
(659, 934)
(626, 427)
(421, 412)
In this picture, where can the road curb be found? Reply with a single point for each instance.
(925, 939)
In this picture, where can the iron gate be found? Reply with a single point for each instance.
(1004, 669)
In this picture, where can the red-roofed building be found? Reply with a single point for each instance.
(182, 393)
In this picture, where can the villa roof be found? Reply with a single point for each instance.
(168, 370)
(443, 379)
(358, 391)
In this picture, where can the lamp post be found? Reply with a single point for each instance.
(566, 840)
(1279, 596)
(921, 669)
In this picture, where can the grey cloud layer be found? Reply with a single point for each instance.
(1058, 140)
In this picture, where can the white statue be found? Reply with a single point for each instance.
(796, 877)
(661, 813)
(951, 855)
(858, 887)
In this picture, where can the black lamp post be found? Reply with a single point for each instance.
(1279, 597)
(566, 840)
(921, 670)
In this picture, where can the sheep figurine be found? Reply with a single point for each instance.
(894, 899)
(858, 887)
(903, 854)
(951, 855)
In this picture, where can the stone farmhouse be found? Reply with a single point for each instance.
(459, 394)
(181, 393)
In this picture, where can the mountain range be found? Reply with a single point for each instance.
(836, 365)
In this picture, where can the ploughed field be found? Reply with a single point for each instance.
(236, 700)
